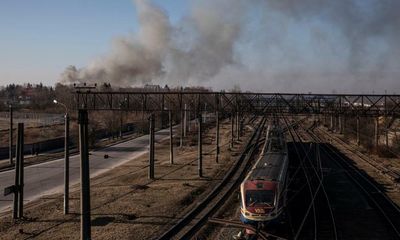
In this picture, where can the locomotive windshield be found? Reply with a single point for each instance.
(257, 197)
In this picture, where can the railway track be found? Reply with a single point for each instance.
(193, 221)
(391, 174)
(319, 209)
(389, 211)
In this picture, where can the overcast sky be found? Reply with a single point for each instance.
(259, 45)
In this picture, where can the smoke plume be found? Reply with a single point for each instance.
(261, 45)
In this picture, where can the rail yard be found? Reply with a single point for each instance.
(215, 176)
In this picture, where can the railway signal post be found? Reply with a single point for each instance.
(85, 177)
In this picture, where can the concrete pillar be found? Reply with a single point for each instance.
(332, 124)
(85, 175)
(340, 124)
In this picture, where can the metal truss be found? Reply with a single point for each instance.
(256, 103)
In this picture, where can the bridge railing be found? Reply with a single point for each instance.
(257, 103)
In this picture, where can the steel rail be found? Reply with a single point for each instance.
(308, 184)
(389, 173)
(321, 179)
(377, 192)
(202, 206)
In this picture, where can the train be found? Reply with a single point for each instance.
(263, 191)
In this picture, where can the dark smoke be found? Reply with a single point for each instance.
(261, 45)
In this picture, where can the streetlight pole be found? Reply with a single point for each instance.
(66, 158)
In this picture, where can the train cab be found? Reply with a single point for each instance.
(263, 192)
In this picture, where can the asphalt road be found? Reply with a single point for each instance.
(48, 178)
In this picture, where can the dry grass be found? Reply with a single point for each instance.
(125, 203)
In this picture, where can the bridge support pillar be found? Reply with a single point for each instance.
(85, 177)
(332, 126)
(200, 145)
(151, 147)
(358, 130)
(171, 139)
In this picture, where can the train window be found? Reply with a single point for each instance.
(259, 197)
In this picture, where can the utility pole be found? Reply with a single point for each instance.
(19, 175)
(151, 147)
(200, 146)
(171, 139)
(358, 130)
(217, 136)
(237, 126)
(85, 177)
(185, 121)
(182, 128)
(232, 128)
(11, 135)
(20, 142)
(66, 165)
(376, 132)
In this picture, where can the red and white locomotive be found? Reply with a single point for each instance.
(263, 192)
